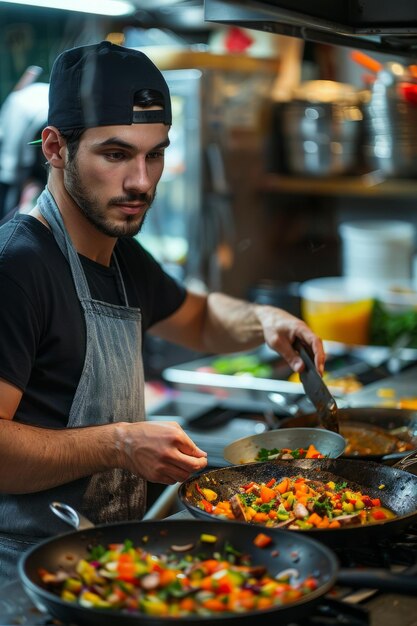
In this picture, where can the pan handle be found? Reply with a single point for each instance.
(378, 579)
(407, 461)
(70, 516)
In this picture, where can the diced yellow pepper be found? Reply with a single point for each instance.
(209, 494)
(206, 538)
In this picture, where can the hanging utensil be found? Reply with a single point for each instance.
(317, 391)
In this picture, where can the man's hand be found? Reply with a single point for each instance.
(159, 451)
(281, 329)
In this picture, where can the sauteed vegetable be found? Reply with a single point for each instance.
(177, 583)
(299, 504)
(266, 454)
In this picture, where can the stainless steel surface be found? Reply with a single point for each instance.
(245, 449)
(381, 26)
(390, 123)
(320, 139)
(387, 392)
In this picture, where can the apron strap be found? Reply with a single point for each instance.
(51, 213)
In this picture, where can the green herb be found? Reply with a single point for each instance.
(387, 326)
(97, 552)
(127, 545)
(339, 487)
(323, 507)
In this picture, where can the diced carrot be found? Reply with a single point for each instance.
(324, 523)
(267, 494)
(302, 488)
(314, 519)
(187, 604)
(246, 599)
(166, 577)
(334, 524)
(283, 485)
(262, 540)
(211, 565)
(213, 604)
(273, 514)
(260, 517)
(312, 452)
(264, 603)
(126, 571)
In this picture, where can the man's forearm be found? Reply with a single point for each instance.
(33, 459)
(231, 324)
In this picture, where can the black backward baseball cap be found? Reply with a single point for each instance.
(95, 85)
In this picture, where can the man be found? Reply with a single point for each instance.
(78, 291)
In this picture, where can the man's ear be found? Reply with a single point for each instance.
(53, 146)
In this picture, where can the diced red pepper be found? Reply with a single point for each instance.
(376, 502)
(378, 514)
(248, 486)
(225, 586)
(271, 482)
(208, 507)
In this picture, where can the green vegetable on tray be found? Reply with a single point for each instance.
(387, 326)
(242, 364)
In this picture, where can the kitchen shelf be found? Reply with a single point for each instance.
(367, 185)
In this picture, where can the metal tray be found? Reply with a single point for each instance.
(254, 391)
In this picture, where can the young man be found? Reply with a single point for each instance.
(78, 292)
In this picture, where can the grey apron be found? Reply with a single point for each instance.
(110, 389)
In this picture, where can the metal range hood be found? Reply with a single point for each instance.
(387, 26)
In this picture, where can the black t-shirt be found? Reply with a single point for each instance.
(42, 329)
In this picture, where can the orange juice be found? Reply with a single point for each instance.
(338, 308)
(347, 322)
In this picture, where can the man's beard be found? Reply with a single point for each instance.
(90, 207)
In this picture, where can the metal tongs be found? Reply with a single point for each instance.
(316, 390)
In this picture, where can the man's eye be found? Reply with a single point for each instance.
(156, 155)
(115, 156)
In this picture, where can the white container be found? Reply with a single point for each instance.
(377, 250)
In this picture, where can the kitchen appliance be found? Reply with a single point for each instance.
(389, 123)
(320, 129)
(379, 25)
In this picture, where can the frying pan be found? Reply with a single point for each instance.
(399, 492)
(287, 551)
(392, 424)
(245, 450)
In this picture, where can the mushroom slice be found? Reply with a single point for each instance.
(238, 508)
(349, 520)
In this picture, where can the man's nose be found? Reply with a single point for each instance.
(138, 177)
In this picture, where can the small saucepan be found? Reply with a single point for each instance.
(246, 449)
(372, 433)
